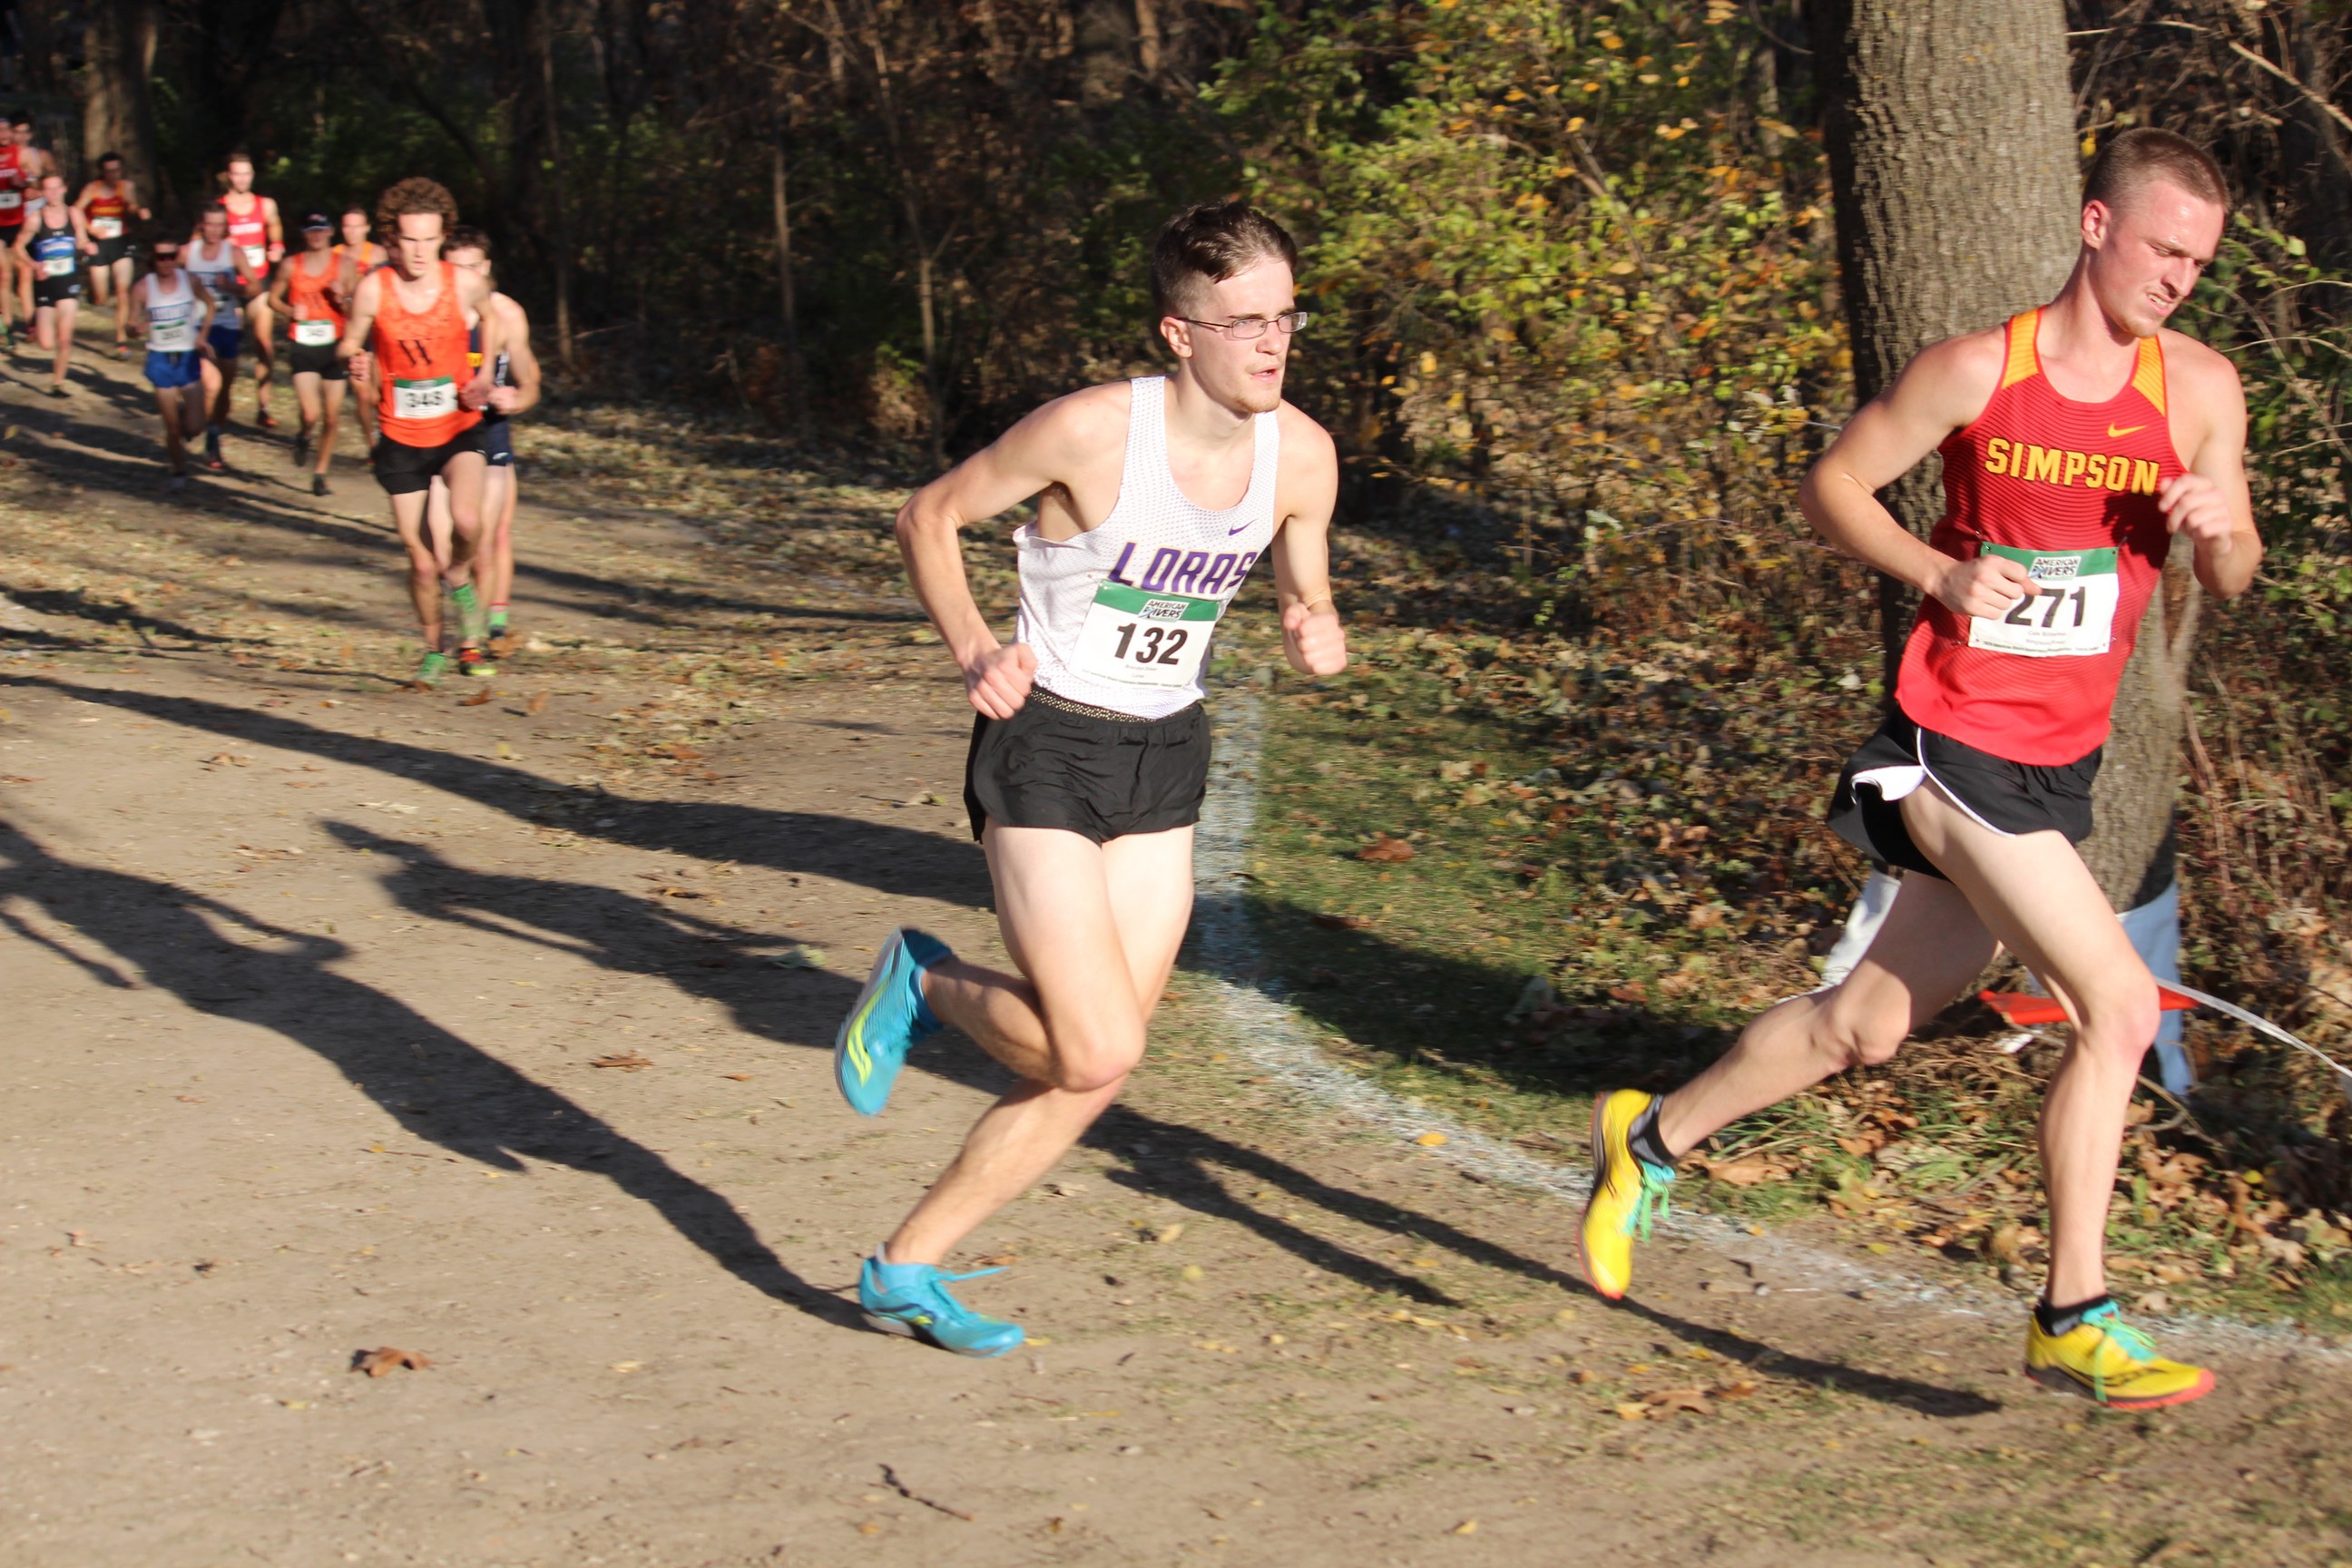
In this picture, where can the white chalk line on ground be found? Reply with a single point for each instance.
(1270, 1032)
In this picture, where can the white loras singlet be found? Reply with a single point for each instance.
(171, 314)
(1120, 616)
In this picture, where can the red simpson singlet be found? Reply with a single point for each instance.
(2069, 490)
(249, 232)
(12, 186)
(421, 365)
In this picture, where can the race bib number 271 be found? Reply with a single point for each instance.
(2072, 615)
(1139, 638)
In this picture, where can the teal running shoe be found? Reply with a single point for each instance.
(890, 1017)
(912, 1300)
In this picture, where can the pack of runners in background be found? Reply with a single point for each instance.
(396, 304)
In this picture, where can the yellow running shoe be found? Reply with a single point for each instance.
(1628, 1193)
(2103, 1358)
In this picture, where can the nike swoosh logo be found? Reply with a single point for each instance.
(1231, 532)
(2113, 433)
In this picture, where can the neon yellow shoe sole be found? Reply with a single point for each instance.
(2104, 1359)
(1625, 1189)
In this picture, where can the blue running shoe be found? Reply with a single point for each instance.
(890, 1017)
(912, 1300)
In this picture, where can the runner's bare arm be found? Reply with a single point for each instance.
(521, 363)
(279, 283)
(1944, 388)
(2210, 502)
(1040, 452)
(474, 293)
(130, 196)
(275, 225)
(1312, 638)
(353, 348)
(135, 307)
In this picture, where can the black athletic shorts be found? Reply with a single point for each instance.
(404, 470)
(1064, 764)
(322, 359)
(497, 441)
(2009, 797)
(55, 290)
(110, 251)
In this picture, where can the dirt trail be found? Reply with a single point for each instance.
(313, 978)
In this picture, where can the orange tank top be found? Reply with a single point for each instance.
(315, 319)
(421, 365)
(2068, 489)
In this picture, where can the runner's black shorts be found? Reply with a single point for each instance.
(48, 291)
(497, 441)
(1103, 775)
(110, 251)
(2011, 798)
(403, 470)
(321, 360)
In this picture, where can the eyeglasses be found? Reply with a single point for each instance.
(1245, 329)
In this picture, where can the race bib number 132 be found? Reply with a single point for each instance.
(1145, 640)
(2073, 614)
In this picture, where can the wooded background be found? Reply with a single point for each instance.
(1577, 262)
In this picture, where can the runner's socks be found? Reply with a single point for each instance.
(498, 618)
(2058, 1321)
(1644, 1140)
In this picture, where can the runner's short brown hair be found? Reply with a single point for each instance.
(1208, 245)
(465, 236)
(2145, 154)
(411, 196)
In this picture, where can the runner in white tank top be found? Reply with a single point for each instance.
(1091, 754)
(1120, 616)
(177, 312)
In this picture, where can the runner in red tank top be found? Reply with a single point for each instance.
(21, 165)
(107, 204)
(2082, 444)
(308, 293)
(407, 327)
(259, 235)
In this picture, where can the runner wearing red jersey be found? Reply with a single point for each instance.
(2082, 443)
(259, 235)
(21, 165)
(306, 293)
(108, 204)
(407, 326)
(358, 256)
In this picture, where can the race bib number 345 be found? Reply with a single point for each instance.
(1145, 640)
(313, 334)
(424, 399)
(2073, 614)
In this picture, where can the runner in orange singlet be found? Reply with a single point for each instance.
(107, 204)
(2082, 444)
(256, 229)
(306, 293)
(408, 326)
(359, 256)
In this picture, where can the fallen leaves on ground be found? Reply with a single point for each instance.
(1385, 850)
(476, 699)
(537, 705)
(385, 1359)
(626, 1061)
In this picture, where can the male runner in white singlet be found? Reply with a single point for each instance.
(1090, 755)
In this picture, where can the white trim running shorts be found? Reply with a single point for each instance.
(2010, 798)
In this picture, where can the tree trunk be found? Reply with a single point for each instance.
(1950, 134)
(117, 115)
(795, 383)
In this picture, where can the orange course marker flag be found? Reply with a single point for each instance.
(2025, 1012)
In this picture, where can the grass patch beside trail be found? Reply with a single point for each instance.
(1503, 877)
